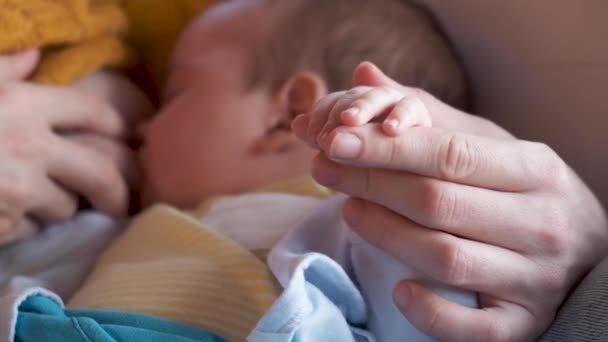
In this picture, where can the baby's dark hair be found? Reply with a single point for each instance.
(332, 37)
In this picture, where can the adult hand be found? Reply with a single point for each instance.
(42, 169)
(468, 205)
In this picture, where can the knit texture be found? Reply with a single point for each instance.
(584, 316)
(77, 37)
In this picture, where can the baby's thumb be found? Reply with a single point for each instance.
(18, 66)
(368, 74)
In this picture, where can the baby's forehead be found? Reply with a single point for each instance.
(236, 21)
(231, 14)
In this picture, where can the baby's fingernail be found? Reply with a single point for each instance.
(393, 123)
(346, 146)
(352, 112)
(391, 127)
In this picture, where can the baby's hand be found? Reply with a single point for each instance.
(360, 106)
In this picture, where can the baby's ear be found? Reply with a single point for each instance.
(297, 95)
(300, 93)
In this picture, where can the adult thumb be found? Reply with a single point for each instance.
(19, 65)
(368, 74)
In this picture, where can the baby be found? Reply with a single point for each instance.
(240, 74)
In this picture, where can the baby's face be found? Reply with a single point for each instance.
(203, 140)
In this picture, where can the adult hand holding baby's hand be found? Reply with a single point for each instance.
(42, 171)
(466, 204)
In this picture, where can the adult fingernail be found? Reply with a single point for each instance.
(346, 146)
(325, 172)
(402, 295)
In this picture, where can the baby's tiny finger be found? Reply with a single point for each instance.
(408, 112)
(372, 104)
(319, 116)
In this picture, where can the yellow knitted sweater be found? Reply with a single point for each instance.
(81, 36)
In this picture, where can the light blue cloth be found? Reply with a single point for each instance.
(338, 287)
(41, 318)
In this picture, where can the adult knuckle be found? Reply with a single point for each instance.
(553, 234)
(446, 208)
(433, 323)
(453, 263)
(438, 204)
(458, 158)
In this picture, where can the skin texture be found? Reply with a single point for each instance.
(464, 203)
(214, 135)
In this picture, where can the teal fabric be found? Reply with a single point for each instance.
(41, 318)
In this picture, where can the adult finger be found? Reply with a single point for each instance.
(18, 66)
(408, 112)
(449, 207)
(71, 110)
(442, 257)
(507, 165)
(87, 172)
(442, 115)
(447, 321)
(53, 204)
(20, 230)
(115, 150)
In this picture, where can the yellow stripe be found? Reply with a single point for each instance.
(256, 305)
(198, 271)
(167, 264)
